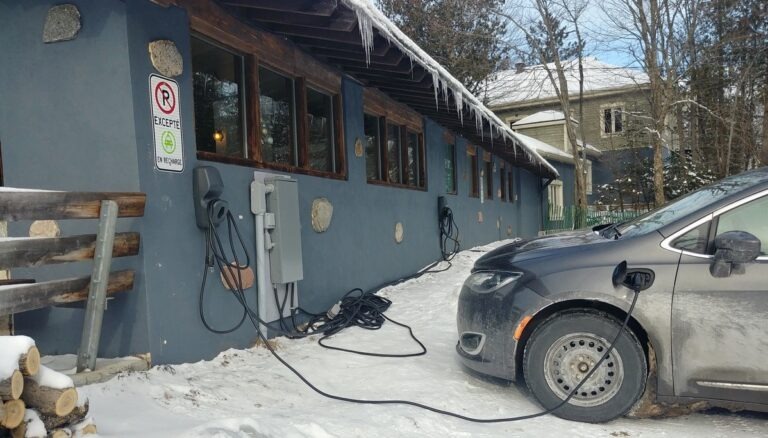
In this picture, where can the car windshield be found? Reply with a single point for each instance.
(689, 203)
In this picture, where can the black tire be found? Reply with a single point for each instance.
(606, 399)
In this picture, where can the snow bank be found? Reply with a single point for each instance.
(11, 347)
(247, 393)
(368, 17)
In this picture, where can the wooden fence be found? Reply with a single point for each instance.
(24, 294)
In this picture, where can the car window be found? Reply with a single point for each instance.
(685, 205)
(750, 217)
(695, 240)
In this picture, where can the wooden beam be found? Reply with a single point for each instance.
(340, 20)
(392, 57)
(307, 7)
(394, 78)
(34, 205)
(23, 253)
(50, 293)
(352, 37)
(403, 67)
(380, 45)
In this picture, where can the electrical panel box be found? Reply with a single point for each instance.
(285, 256)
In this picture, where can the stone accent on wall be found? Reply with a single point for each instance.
(399, 232)
(322, 214)
(44, 228)
(480, 217)
(61, 24)
(166, 58)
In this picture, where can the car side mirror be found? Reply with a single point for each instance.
(732, 250)
(637, 279)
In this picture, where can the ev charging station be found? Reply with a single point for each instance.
(279, 266)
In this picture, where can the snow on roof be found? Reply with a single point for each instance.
(542, 117)
(533, 82)
(547, 150)
(368, 17)
(541, 147)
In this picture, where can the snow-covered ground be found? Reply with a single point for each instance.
(247, 393)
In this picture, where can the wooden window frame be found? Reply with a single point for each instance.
(511, 185)
(259, 48)
(392, 113)
(613, 108)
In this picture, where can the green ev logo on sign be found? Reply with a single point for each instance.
(169, 142)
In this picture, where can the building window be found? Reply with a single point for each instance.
(511, 186)
(218, 97)
(372, 147)
(393, 154)
(474, 188)
(320, 131)
(415, 156)
(555, 198)
(294, 112)
(612, 119)
(488, 175)
(278, 120)
(394, 146)
(449, 164)
(502, 182)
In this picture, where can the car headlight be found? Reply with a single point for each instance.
(484, 282)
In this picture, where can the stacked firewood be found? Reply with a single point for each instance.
(36, 401)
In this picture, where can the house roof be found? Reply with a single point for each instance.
(358, 39)
(532, 83)
(542, 117)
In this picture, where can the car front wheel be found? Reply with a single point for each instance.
(563, 349)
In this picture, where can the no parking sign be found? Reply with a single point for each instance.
(166, 123)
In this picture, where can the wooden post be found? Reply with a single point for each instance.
(97, 296)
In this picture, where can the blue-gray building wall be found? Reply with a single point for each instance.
(66, 123)
(161, 314)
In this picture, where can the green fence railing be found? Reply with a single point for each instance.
(563, 218)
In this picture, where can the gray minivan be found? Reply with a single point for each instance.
(545, 310)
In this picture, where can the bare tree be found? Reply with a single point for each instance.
(543, 30)
(653, 31)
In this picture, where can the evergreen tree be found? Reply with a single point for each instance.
(465, 36)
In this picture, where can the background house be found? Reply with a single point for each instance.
(329, 93)
(615, 110)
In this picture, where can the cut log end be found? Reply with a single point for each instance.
(66, 402)
(60, 433)
(29, 363)
(12, 414)
(89, 430)
(12, 387)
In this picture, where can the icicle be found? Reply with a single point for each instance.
(444, 89)
(436, 85)
(366, 33)
(459, 98)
